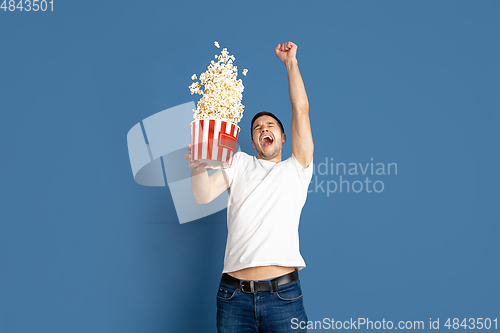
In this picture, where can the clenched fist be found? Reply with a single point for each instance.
(286, 51)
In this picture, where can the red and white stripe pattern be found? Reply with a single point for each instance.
(213, 139)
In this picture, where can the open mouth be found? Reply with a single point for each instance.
(266, 141)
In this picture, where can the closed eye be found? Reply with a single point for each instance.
(268, 124)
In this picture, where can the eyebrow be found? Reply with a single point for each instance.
(269, 122)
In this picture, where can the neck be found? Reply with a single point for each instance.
(275, 159)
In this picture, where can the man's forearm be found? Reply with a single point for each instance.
(200, 183)
(296, 89)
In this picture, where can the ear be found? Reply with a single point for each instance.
(283, 137)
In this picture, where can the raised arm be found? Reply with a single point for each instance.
(301, 136)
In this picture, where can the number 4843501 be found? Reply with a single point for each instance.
(472, 323)
(27, 5)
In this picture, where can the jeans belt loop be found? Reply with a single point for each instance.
(252, 286)
(274, 286)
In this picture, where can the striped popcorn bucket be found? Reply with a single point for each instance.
(213, 141)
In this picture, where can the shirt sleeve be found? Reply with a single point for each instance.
(305, 174)
(231, 171)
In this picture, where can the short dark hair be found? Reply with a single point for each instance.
(265, 113)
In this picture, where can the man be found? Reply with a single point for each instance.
(260, 289)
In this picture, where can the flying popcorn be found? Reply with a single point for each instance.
(217, 44)
(221, 97)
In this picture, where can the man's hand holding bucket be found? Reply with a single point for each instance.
(195, 165)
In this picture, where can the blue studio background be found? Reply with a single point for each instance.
(83, 248)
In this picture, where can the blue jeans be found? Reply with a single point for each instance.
(260, 312)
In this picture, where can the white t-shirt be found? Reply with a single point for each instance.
(264, 206)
